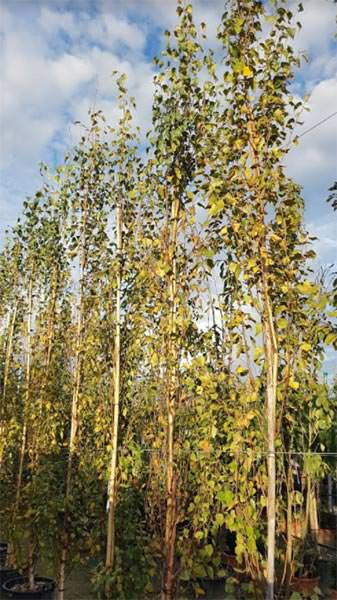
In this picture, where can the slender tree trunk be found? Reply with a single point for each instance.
(5, 381)
(72, 449)
(27, 398)
(271, 361)
(50, 337)
(329, 493)
(27, 395)
(74, 410)
(31, 566)
(271, 367)
(112, 485)
(171, 476)
(313, 518)
(287, 570)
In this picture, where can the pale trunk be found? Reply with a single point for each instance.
(271, 366)
(112, 485)
(171, 508)
(5, 382)
(312, 507)
(50, 335)
(31, 574)
(74, 415)
(27, 396)
(287, 570)
(72, 448)
(271, 361)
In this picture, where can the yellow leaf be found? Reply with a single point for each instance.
(246, 71)
(306, 347)
(177, 172)
(258, 352)
(282, 323)
(294, 384)
(199, 591)
(154, 359)
(204, 445)
(307, 287)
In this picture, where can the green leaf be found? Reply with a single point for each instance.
(239, 21)
(279, 116)
(219, 519)
(226, 497)
(209, 550)
(199, 571)
(216, 205)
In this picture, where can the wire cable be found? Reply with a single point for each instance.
(317, 124)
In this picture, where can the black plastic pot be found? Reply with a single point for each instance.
(328, 520)
(3, 553)
(46, 592)
(7, 573)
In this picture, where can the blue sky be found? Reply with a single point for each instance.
(56, 61)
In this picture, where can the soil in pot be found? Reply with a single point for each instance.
(18, 588)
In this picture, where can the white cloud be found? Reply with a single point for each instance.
(313, 162)
(318, 28)
(111, 31)
(43, 79)
(52, 21)
(326, 244)
(68, 72)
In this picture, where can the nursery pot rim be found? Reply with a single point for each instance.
(299, 581)
(7, 573)
(324, 530)
(49, 586)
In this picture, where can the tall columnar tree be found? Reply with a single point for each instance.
(11, 294)
(85, 197)
(123, 174)
(176, 103)
(252, 200)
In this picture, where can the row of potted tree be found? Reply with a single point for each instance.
(150, 421)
